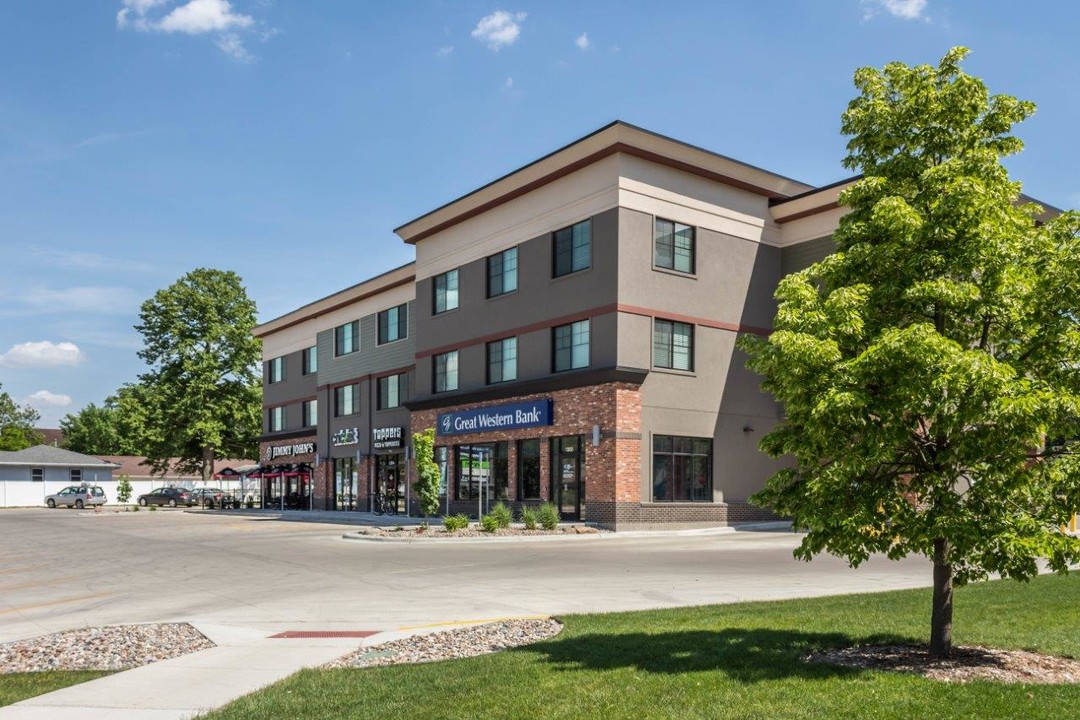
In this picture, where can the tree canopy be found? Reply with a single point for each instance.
(930, 369)
(201, 398)
(17, 424)
(99, 430)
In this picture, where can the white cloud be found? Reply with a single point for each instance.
(194, 17)
(903, 9)
(444, 52)
(44, 398)
(582, 41)
(202, 16)
(498, 29)
(42, 354)
(68, 301)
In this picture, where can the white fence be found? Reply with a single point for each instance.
(21, 493)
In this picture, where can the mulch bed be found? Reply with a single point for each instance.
(965, 664)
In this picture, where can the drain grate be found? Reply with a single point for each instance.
(325, 634)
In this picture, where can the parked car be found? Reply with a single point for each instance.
(210, 497)
(77, 496)
(167, 496)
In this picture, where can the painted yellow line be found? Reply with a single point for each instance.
(24, 568)
(53, 602)
(38, 583)
(484, 621)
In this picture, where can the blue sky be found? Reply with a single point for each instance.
(285, 140)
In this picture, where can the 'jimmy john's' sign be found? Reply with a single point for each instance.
(273, 452)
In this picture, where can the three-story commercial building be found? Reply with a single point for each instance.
(568, 330)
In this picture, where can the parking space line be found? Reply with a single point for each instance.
(54, 602)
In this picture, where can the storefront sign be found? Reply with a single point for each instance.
(386, 438)
(273, 452)
(497, 417)
(345, 436)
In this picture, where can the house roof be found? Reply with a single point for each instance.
(53, 436)
(137, 467)
(616, 137)
(49, 456)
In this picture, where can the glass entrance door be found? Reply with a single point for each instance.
(345, 484)
(567, 463)
(391, 481)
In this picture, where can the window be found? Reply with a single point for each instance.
(310, 410)
(277, 418)
(502, 273)
(482, 470)
(393, 389)
(673, 345)
(528, 452)
(445, 296)
(310, 360)
(674, 246)
(75, 475)
(347, 400)
(275, 370)
(347, 338)
(394, 324)
(37, 475)
(682, 469)
(570, 345)
(446, 366)
(573, 249)
(502, 360)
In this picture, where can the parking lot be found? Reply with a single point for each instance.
(67, 568)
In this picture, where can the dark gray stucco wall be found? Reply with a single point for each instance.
(799, 257)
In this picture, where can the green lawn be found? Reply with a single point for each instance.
(712, 662)
(20, 686)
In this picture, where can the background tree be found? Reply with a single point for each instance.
(201, 398)
(17, 425)
(427, 472)
(98, 430)
(930, 368)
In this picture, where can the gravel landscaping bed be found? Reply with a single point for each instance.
(964, 665)
(473, 532)
(451, 644)
(117, 647)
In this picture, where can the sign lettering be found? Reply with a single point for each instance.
(273, 452)
(497, 417)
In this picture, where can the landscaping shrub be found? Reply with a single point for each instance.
(502, 515)
(453, 523)
(489, 523)
(530, 517)
(548, 516)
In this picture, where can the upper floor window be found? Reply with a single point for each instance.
(674, 246)
(394, 324)
(502, 360)
(347, 338)
(673, 345)
(310, 411)
(347, 400)
(393, 390)
(277, 418)
(445, 296)
(502, 273)
(572, 249)
(570, 346)
(311, 360)
(275, 370)
(446, 371)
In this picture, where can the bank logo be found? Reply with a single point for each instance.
(446, 421)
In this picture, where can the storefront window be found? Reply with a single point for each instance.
(528, 469)
(682, 469)
(345, 484)
(483, 468)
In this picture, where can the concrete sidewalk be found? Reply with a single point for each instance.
(245, 660)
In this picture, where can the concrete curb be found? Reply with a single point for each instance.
(412, 538)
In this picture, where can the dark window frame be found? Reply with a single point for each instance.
(496, 271)
(675, 228)
(567, 241)
(75, 475)
(445, 290)
(498, 472)
(435, 372)
(400, 325)
(522, 495)
(670, 359)
(307, 355)
(675, 454)
(555, 347)
(275, 370)
(501, 346)
(37, 474)
(280, 410)
(383, 385)
(307, 417)
(339, 339)
(339, 396)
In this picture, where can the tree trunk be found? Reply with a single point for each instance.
(207, 465)
(941, 618)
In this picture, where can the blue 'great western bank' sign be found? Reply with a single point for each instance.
(497, 417)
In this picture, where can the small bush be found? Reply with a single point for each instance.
(135, 509)
(489, 523)
(529, 517)
(453, 523)
(548, 515)
(153, 508)
(502, 515)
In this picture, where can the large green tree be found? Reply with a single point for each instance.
(930, 368)
(201, 398)
(99, 430)
(17, 424)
